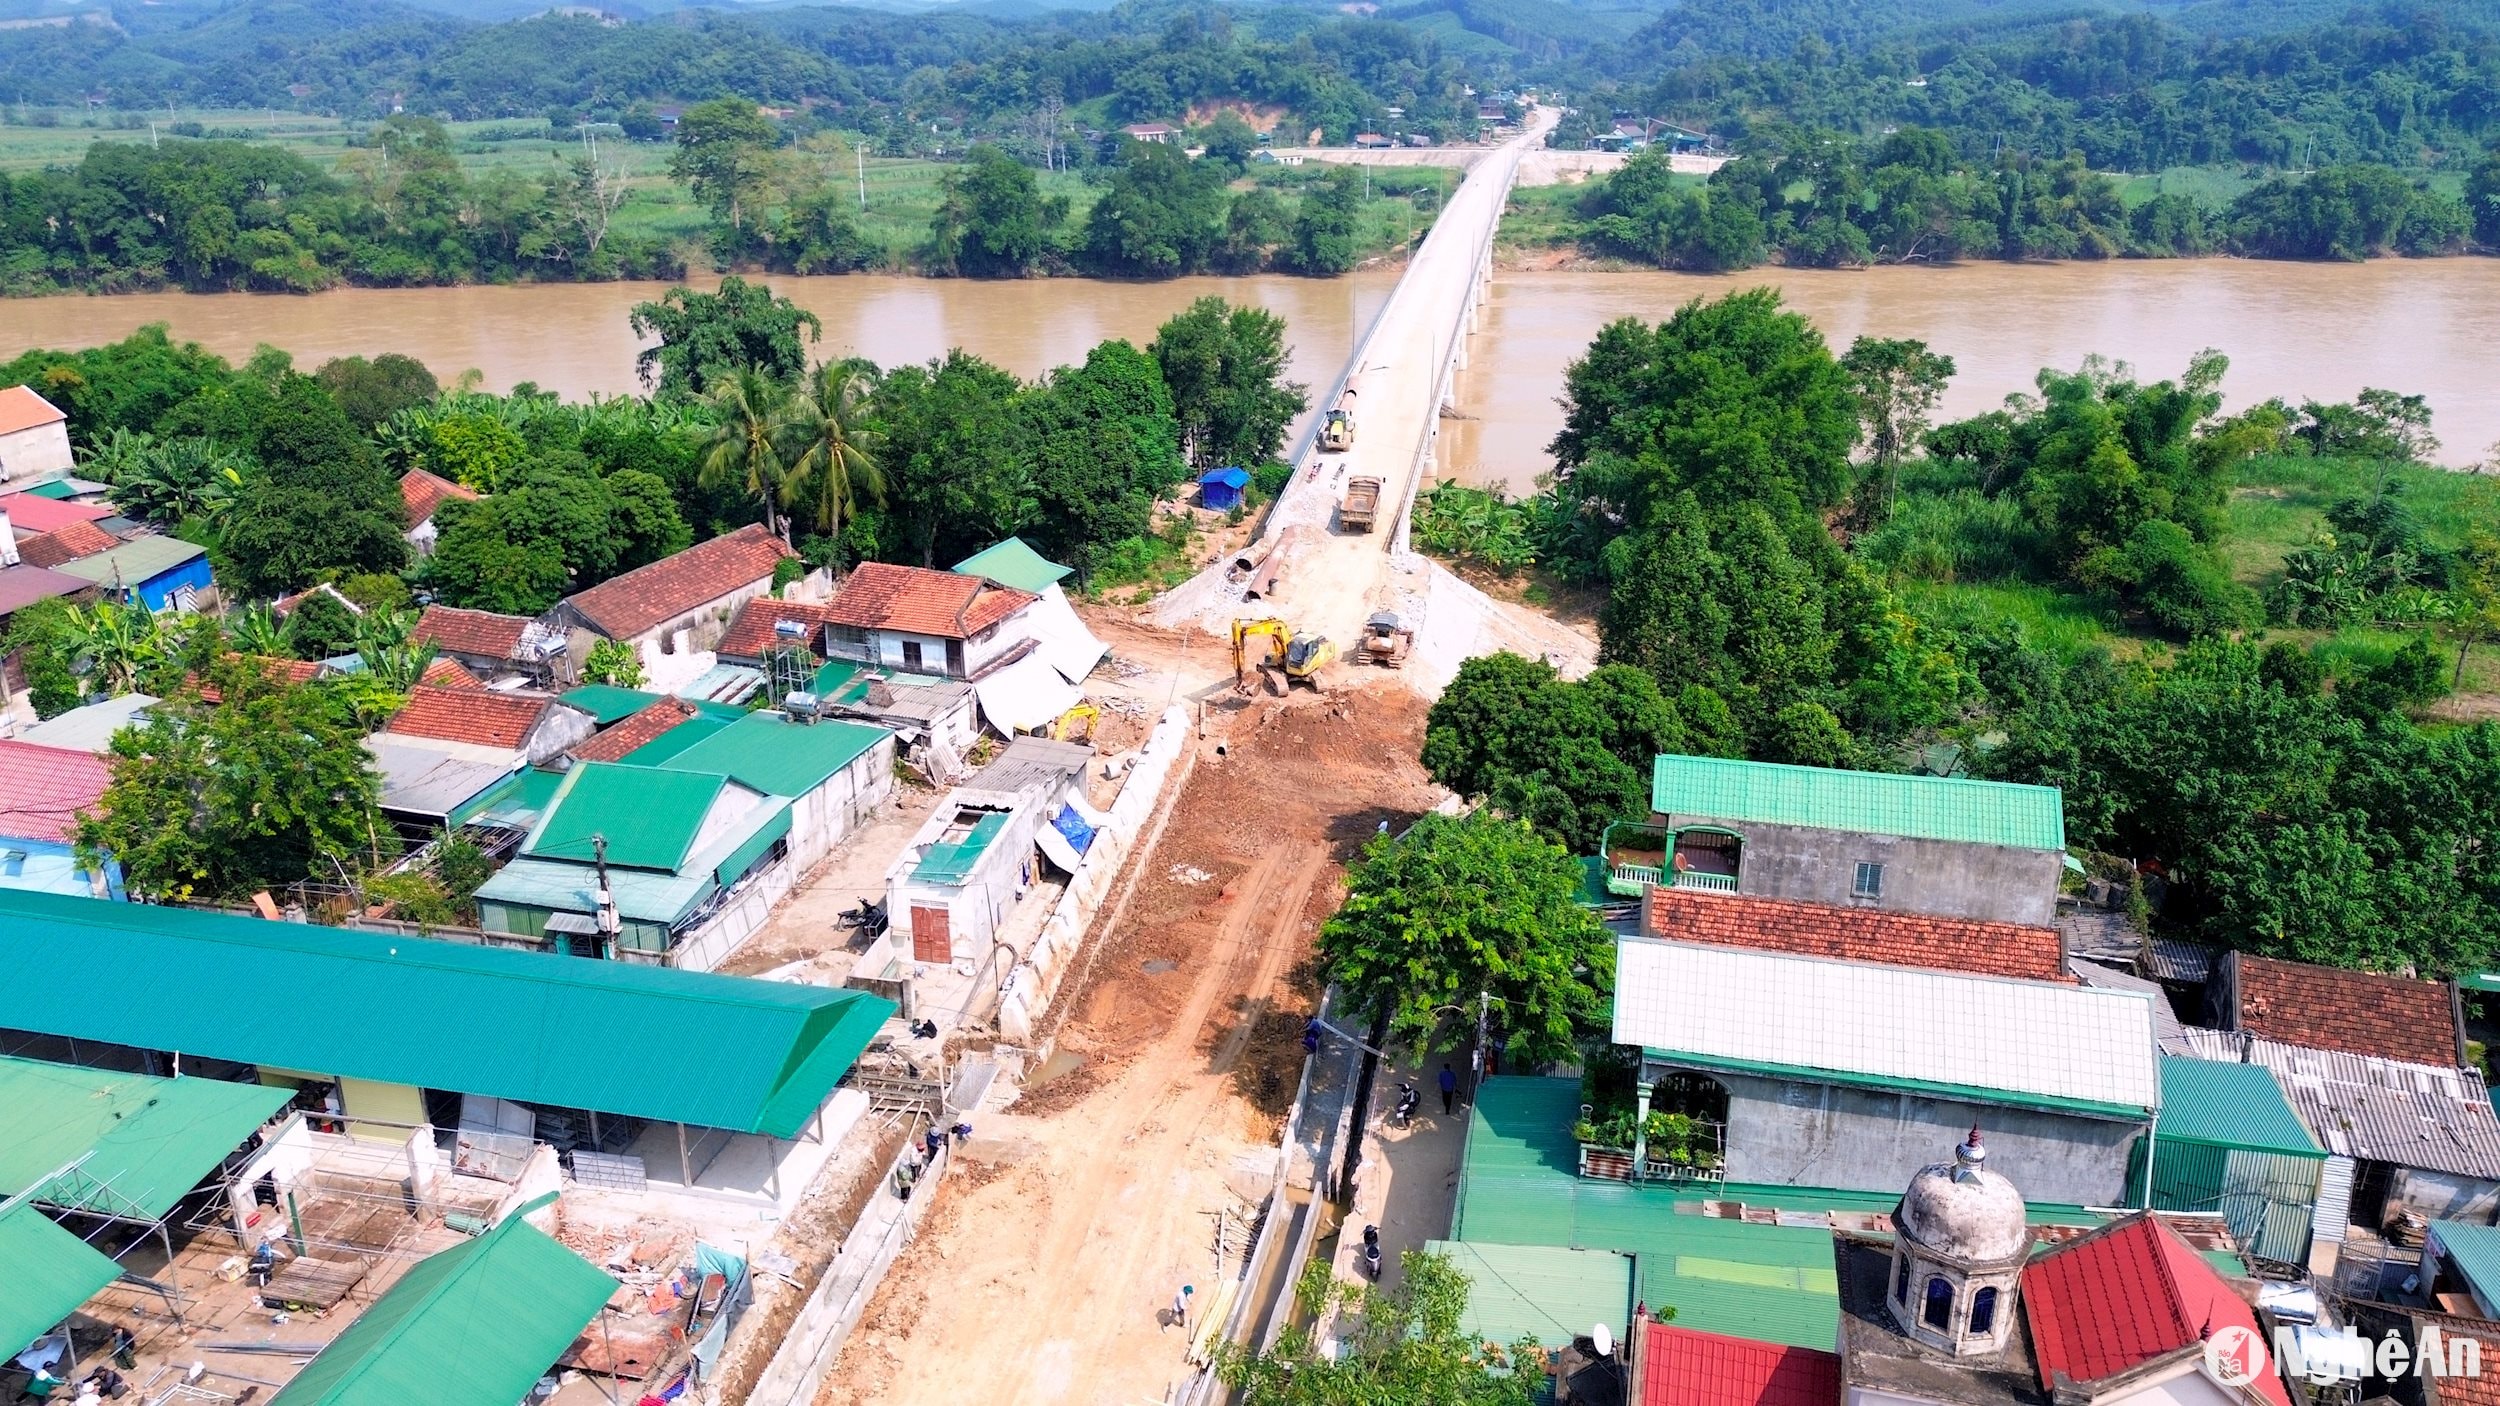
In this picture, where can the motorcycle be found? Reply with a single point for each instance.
(1371, 1252)
(1409, 1098)
(866, 918)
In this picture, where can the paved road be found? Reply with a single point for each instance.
(1335, 578)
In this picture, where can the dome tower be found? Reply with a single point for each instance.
(1959, 1242)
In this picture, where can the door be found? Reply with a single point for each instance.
(931, 939)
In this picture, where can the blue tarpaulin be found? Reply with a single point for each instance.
(1221, 488)
(1069, 823)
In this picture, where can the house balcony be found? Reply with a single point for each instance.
(1640, 856)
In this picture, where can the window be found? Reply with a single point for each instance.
(911, 655)
(1939, 1309)
(1869, 883)
(1983, 1311)
(1901, 1280)
(849, 636)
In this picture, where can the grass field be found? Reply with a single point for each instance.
(901, 194)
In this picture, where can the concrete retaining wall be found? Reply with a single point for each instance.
(1028, 988)
(824, 1323)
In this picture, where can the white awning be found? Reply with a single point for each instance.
(1025, 695)
(1061, 638)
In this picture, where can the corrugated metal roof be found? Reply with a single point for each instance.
(951, 861)
(475, 1325)
(2028, 1042)
(518, 804)
(562, 886)
(422, 781)
(49, 1271)
(438, 1015)
(2169, 959)
(1868, 802)
(1547, 1292)
(777, 756)
(2108, 978)
(649, 817)
(141, 559)
(607, 702)
(90, 728)
(661, 749)
(1012, 563)
(2231, 1105)
(2383, 1110)
(2475, 1252)
(146, 1141)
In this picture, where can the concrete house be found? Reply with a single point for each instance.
(955, 885)
(947, 625)
(493, 647)
(420, 493)
(43, 792)
(677, 605)
(512, 727)
(1948, 846)
(835, 775)
(161, 573)
(34, 438)
(1848, 1074)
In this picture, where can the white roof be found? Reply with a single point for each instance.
(1025, 694)
(90, 728)
(1858, 1022)
(1062, 638)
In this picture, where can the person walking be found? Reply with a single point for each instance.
(1449, 1089)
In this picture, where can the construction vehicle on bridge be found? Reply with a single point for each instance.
(1336, 430)
(1361, 505)
(1385, 641)
(1296, 654)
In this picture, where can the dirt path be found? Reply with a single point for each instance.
(1074, 1218)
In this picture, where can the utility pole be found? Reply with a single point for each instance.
(608, 924)
(859, 158)
(1475, 1082)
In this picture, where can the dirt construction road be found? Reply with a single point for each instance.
(1046, 1268)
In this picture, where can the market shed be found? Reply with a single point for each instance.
(475, 1325)
(419, 1014)
(49, 1271)
(2230, 1145)
(125, 1146)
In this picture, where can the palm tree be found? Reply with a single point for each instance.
(745, 446)
(835, 464)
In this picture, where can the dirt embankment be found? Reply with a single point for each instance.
(1075, 1217)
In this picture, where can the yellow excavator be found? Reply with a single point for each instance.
(1077, 724)
(1300, 655)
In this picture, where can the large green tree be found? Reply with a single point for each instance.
(722, 146)
(957, 460)
(1104, 447)
(321, 502)
(705, 338)
(1459, 910)
(1225, 368)
(993, 220)
(1406, 1345)
(1159, 217)
(1326, 241)
(831, 446)
(1897, 381)
(270, 785)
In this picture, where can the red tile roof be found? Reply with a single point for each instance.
(2363, 1013)
(916, 600)
(475, 632)
(42, 789)
(420, 493)
(751, 633)
(65, 543)
(448, 673)
(1688, 1367)
(469, 715)
(632, 731)
(32, 512)
(22, 409)
(650, 596)
(2123, 1295)
(1856, 934)
(2463, 1388)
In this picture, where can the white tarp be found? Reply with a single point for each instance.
(1057, 850)
(1062, 638)
(1025, 695)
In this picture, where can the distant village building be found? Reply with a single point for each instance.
(2328, 1008)
(34, 438)
(1947, 846)
(678, 605)
(1150, 132)
(420, 494)
(160, 573)
(496, 648)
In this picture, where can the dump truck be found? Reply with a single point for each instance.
(1336, 429)
(1362, 503)
(1386, 642)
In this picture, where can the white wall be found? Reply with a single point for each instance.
(39, 451)
(823, 817)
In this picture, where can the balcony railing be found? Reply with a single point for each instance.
(1716, 883)
(1630, 880)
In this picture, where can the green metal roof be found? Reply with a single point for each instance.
(59, 489)
(617, 1037)
(777, 756)
(49, 1271)
(648, 816)
(137, 560)
(951, 862)
(562, 886)
(475, 1325)
(1546, 1292)
(2230, 1105)
(2474, 1250)
(607, 702)
(1012, 563)
(1868, 802)
(146, 1141)
(663, 748)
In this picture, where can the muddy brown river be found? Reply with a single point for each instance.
(2293, 330)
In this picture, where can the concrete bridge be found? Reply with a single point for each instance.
(1328, 579)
